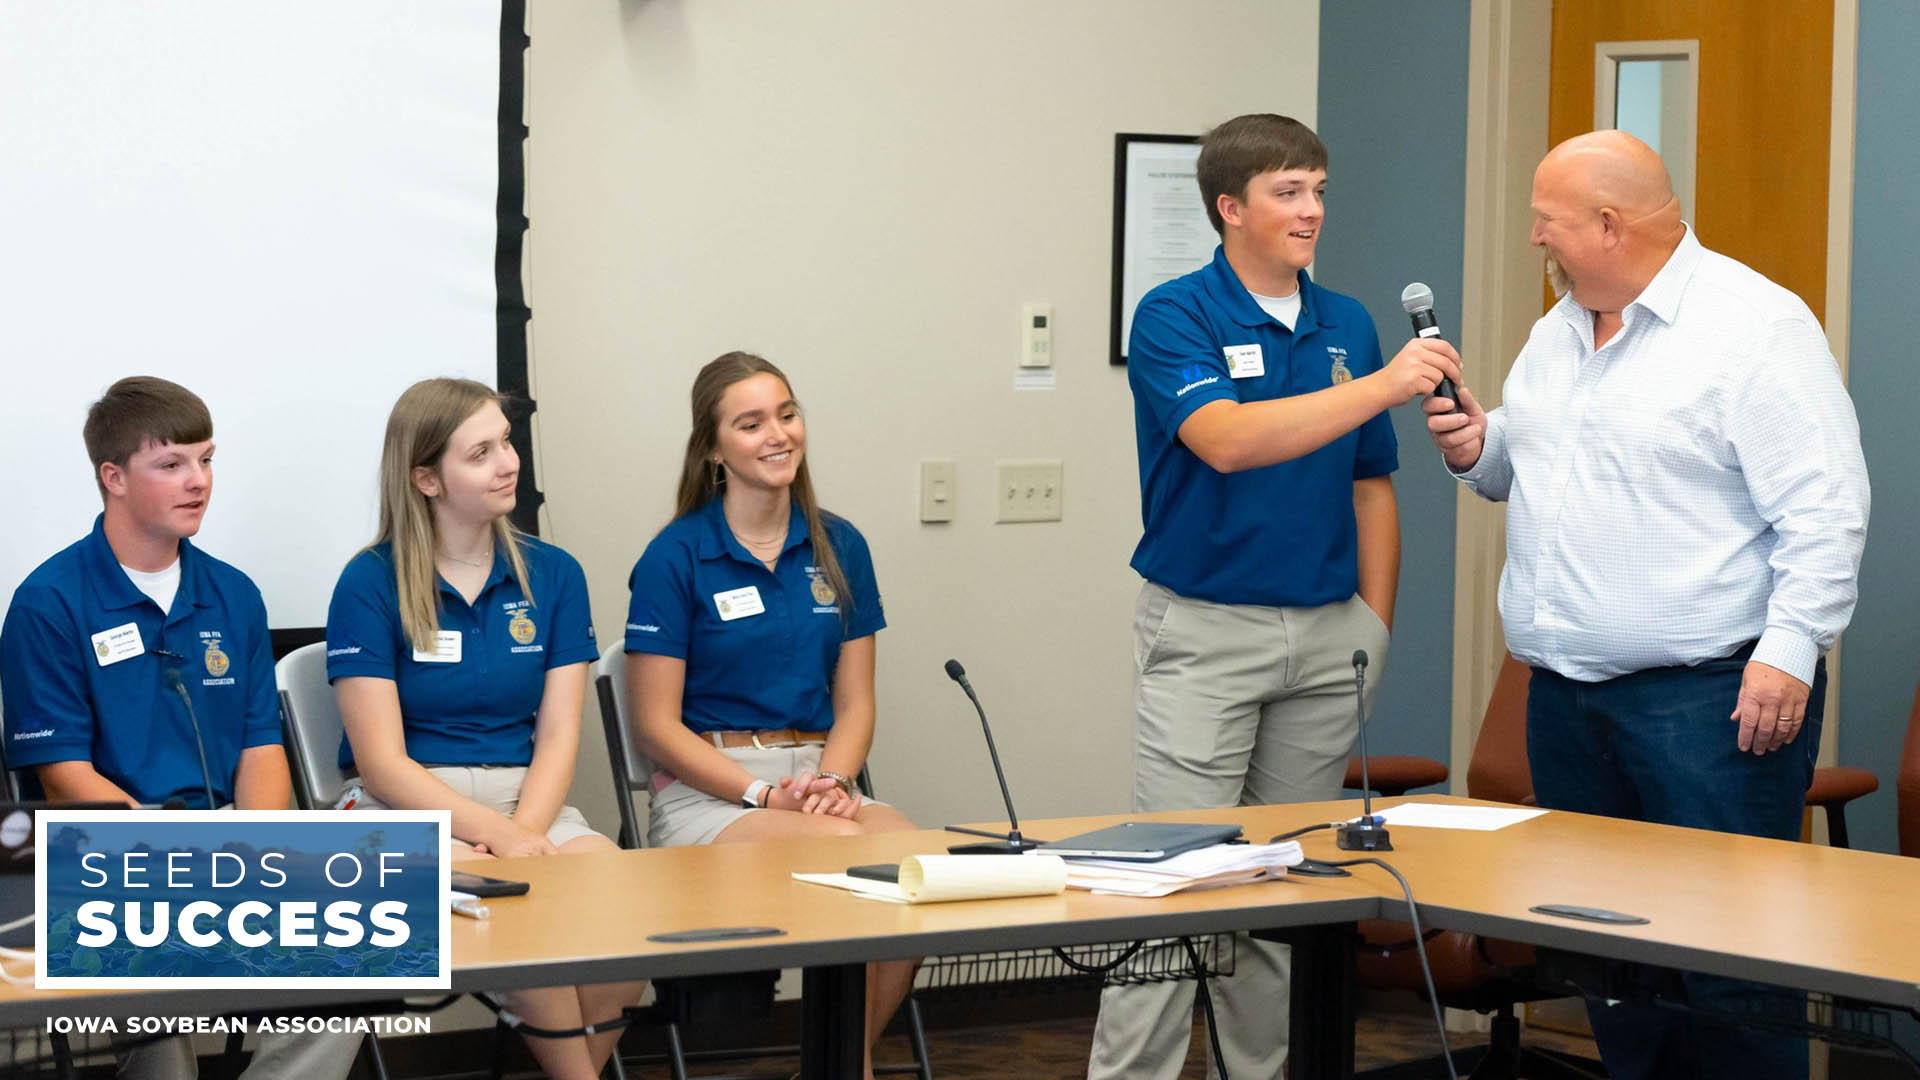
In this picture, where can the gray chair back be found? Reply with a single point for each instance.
(632, 769)
(310, 722)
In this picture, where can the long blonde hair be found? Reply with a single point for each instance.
(700, 483)
(422, 422)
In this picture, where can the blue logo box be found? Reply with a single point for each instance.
(230, 899)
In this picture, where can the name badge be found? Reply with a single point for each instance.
(446, 649)
(117, 644)
(1245, 362)
(738, 603)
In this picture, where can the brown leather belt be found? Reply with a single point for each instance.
(774, 739)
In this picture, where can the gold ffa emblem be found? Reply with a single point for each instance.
(217, 662)
(1340, 372)
(521, 628)
(100, 650)
(822, 592)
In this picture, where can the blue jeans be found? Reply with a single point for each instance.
(1657, 745)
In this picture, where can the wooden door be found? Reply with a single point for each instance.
(1765, 84)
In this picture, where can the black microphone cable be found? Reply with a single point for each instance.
(1200, 974)
(1426, 967)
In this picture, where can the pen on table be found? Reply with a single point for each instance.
(465, 903)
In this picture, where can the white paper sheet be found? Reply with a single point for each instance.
(1441, 816)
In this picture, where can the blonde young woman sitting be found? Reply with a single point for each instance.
(458, 651)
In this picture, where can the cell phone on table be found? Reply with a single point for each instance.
(885, 871)
(487, 886)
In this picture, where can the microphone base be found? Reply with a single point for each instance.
(1363, 836)
(994, 847)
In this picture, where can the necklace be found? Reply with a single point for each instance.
(749, 541)
(465, 562)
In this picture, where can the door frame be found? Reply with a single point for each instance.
(1508, 58)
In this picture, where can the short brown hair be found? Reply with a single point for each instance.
(140, 411)
(1234, 153)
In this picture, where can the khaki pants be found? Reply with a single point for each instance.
(1235, 705)
(303, 1056)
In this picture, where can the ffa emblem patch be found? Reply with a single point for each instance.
(1340, 372)
(822, 592)
(521, 628)
(726, 608)
(100, 649)
(217, 662)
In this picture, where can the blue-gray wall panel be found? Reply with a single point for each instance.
(1883, 645)
(1393, 113)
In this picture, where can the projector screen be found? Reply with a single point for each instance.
(288, 208)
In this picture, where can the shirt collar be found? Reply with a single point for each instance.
(717, 540)
(113, 589)
(1224, 286)
(1662, 295)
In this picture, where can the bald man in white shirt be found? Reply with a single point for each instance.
(1686, 508)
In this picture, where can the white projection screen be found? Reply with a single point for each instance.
(287, 207)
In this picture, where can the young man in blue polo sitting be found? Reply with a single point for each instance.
(107, 642)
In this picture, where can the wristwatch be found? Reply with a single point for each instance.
(846, 784)
(755, 797)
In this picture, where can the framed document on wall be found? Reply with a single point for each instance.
(1160, 226)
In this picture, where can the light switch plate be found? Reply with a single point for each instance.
(936, 489)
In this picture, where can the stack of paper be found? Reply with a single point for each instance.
(930, 879)
(1202, 868)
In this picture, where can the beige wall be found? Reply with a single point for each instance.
(865, 192)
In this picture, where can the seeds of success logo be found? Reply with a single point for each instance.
(230, 899)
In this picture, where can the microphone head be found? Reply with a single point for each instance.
(1416, 297)
(1359, 658)
(955, 671)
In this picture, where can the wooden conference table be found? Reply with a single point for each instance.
(1817, 918)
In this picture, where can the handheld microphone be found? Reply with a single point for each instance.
(170, 675)
(1417, 300)
(1370, 832)
(1012, 843)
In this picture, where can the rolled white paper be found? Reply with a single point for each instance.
(927, 879)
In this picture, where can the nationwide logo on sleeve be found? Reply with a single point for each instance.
(1340, 371)
(235, 899)
(1195, 377)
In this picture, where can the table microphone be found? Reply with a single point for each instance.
(1370, 832)
(1012, 843)
(1417, 300)
(170, 674)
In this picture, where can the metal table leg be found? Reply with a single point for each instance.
(1320, 1000)
(833, 1011)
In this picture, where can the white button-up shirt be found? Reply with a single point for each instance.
(1692, 485)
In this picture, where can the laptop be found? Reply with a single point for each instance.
(1141, 841)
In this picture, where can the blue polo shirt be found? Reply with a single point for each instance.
(474, 704)
(88, 661)
(760, 644)
(1283, 535)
